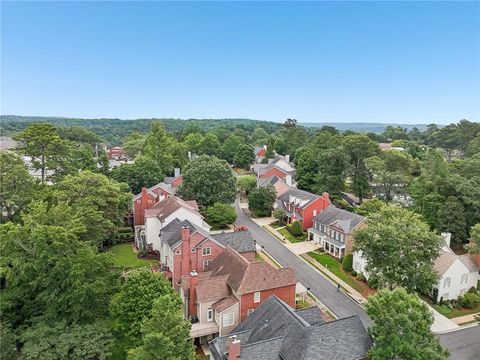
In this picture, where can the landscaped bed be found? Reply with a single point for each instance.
(293, 239)
(453, 313)
(335, 267)
(126, 258)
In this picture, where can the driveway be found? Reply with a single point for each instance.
(463, 344)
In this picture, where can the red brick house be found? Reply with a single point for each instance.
(233, 288)
(187, 247)
(174, 181)
(302, 206)
(115, 152)
(147, 199)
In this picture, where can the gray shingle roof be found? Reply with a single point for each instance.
(275, 331)
(311, 315)
(299, 194)
(271, 180)
(172, 232)
(242, 241)
(345, 219)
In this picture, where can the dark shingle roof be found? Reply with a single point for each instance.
(241, 241)
(172, 232)
(271, 180)
(311, 315)
(346, 220)
(275, 331)
(299, 194)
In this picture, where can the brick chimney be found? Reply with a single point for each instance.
(186, 266)
(234, 347)
(192, 299)
(177, 172)
(326, 196)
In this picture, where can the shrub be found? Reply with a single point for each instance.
(354, 273)
(296, 228)
(373, 282)
(221, 214)
(473, 290)
(321, 250)
(347, 262)
(279, 215)
(361, 277)
(469, 300)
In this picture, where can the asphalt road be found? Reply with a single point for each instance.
(462, 344)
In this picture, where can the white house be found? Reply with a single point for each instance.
(162, 214)
(458, 273)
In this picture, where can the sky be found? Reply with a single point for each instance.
(405, 62)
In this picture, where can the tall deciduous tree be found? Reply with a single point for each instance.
(247, 183)
(399, 249)
(208, 180)
(401, 328)
(359, 148)
(260, 200)
(221, 215)
(451, 218)
(157, 146)
(143, 172)
(165, 333)
(230, 146)
(244, 156)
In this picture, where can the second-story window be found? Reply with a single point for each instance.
(464, 278)
(228, 319)
(314, 212)
(446, 282)
(210, 314)
(256, 297)
(206, 251)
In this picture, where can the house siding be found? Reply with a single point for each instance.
(274, 172)
(456, 288)
(286, 294)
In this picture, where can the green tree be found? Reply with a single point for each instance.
(61, 341)
(451, 218)
(331, 173)
(347, 262)
(193, 142)
(80, 135)
(358, 148)
(280, 146)
(165, 333)
(134, 303)
(230, 146)
(208, 180)
(209, 145)
(295, 228)
(474, 246)
(8, 348)
(399, 249)
(260, 136)
(370, 207)
(52, 275)
(279, 215)
(133, 144)
(157, 146)
(392, 172)
(48, 150)
(260, 200)
(221, 215)
(401, 328)
(247, 183)
(244, 156)
(143, 172)
(17, 186)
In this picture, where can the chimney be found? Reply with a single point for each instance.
(192, 298)
(287, 158)
(326, 196)
(288, 180)
(144, 190)
(176, 172)
(265, 147)
(234, 347)
(447, 237)
(186, 266)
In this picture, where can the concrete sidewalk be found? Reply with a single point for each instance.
(463, 319)
(441, 323)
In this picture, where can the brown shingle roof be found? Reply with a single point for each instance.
(212, 288)
(224, 304)
(245, 276)
(469, 261)
(444, 261)
(168, 206)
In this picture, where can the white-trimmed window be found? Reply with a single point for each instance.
(206, 251)
(194, 250)
(256, 297)
(228, 319)
(464, 278)
(314, 212)
(250, 311)
(210, 314)
(206, 263)
(446, 282)
(139, 201)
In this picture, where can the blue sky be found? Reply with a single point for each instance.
(317, 62)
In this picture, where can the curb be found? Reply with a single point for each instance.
(463, 327)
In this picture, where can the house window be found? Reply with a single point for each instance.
(149, 201)
(250, 311)
(206, 263)
(314, 212)
(446, 282)
(139, 201)
(194, 250)
(178, 252)
(323, 228)
(206, 251)
(210, 314)
(256, 297)
(228, 319)
(464, 278)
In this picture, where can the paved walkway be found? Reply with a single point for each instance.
(441, 323)
(463, 319)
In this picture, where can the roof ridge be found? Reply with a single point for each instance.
(291, 310)
(260, 341)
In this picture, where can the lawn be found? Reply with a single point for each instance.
(287, 235)
(125, 258)
(453, 313)
(276, 225)
(336, 268)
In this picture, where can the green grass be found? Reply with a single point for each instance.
(336, 268)
(300, 304)
(125, 258)
(453, 313)
(292, 238)
(276, 225)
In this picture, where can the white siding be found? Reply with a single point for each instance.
(456, 288)
(359, 263)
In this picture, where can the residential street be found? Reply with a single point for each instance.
(463, 344)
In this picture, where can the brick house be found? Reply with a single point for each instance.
(115, 152)
(276, 331)
(279, 166)
(147, 198)
(174, 181)
(302, 206)
(186, 247)
(332, 229)
(260, 153)
(231, 290)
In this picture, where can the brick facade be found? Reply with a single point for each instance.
(286, 294)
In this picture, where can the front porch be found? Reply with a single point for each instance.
(331, 246)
